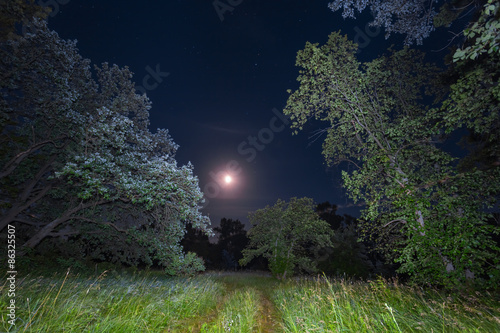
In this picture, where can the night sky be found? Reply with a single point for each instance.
(214, 80)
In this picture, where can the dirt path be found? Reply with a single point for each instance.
(268, 317)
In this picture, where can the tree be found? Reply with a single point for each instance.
(348, 255)
(286, 234)
(77, 156)
(18, 12)
(417, 203)
(414, 18)
(485, 34)
(38, 90)
(232, 239)
(197, 241)
(474, 98)
(328, 212)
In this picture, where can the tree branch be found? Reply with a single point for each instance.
(100, 223)
(393, 221)
(16, 160)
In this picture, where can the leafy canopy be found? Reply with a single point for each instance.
(417, 203)
(78, 161)
(286, 234)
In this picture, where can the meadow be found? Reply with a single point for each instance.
(239, 302)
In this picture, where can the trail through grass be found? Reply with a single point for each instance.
(240, 302)
(261, 287)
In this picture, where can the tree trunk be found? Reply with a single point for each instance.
(22, 203)
(420, 218)
(16, 160)
(39, 236)
(46, 230)
(19, 208)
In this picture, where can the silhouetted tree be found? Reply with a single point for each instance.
(348, 255)
(198, 242)
(232, 239)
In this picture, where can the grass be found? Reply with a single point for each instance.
(256, 303)
(239, 313)
(239, 302)
(380, 306)
(129, 303)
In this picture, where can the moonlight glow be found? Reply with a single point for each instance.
(228, 179)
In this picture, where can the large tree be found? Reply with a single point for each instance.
(78, 158)
(286, 234)
(428, 215)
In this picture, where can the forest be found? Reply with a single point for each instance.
(87, 188)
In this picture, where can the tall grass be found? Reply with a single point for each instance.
(151, 302)
(247, 307)
(324, 305)
(239, 313)
(119, 303)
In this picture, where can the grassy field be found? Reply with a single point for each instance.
(239, 302)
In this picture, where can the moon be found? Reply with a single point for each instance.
(228, 179)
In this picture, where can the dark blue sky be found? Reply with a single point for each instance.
(214, 84)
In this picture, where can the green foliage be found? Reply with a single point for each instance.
(448, 13)
(473, 103)
(485, 34)
(418, 205)
(71, 263)
(348, 256)
(285, 234)
(458, 236)
(78, 161)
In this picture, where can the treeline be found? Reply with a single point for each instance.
(341, 254)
